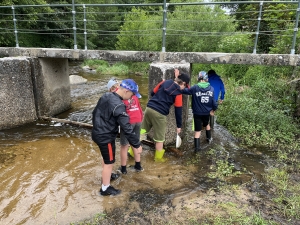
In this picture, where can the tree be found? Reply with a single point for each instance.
(26, 19)
(276, 19)
(189, 28)
(197, 28)
(141, 31)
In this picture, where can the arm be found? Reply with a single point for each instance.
(187, 91)
(215, 105)
(156, 88)
(176, 73)
(178, 111)
(222, 89)
(123, 121)
(140, 108)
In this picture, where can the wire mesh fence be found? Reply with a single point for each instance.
(195, 26)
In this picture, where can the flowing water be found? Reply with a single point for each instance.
(51, 172)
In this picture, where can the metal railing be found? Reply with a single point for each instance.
(81, 15)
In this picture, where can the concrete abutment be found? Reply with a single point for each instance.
(31, 87)
(158, 72)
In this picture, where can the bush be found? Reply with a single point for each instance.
(259, 113)
(95, 63)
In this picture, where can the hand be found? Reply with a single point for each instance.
(178, 130)
(176, 72)
(212, 112)
(220, 101)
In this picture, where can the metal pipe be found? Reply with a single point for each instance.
(153, 4)
(85, 33)
(15, 26)
(295, 29)
(258, 25)
(164, 32)
(74, 24)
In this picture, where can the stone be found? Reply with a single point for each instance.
(75, 79)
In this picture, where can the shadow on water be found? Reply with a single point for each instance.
(51, 173)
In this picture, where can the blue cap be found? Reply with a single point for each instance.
(202, 75)
(130, 85)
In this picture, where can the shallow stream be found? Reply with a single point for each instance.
(51, 172)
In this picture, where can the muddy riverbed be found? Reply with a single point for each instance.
(51, 174)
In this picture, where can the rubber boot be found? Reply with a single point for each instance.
(130, 152)
(208, 136)
(159, 156)
(197, 144)
(143, 135)
(211, 121)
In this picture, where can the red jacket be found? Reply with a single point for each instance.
(134, 110)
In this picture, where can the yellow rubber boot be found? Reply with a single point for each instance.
(159, 156)
(143, 134)
(130, 152)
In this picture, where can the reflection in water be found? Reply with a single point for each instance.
(51, 173)
(48, 176)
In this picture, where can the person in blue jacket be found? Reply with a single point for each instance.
(203, 105)
(218, 85)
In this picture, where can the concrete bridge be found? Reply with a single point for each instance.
(35, 81)
(144, 56)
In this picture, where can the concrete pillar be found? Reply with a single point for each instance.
(159, 71)
(32, 87)
(52, 85)
(17, 105)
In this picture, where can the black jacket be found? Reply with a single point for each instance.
(109, 113)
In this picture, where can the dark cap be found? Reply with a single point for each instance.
(210, 72)
(184, 77)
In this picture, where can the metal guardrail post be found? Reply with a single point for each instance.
(85, 33)
(258, 26)
(74, 23)
(15, 26)
(295, 29)
(164, 30)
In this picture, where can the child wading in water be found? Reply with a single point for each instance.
(135, 113)
(203, 105)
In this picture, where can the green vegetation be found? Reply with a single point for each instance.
(287, 196)
(258, 107)
(258, 110)
(117, 69)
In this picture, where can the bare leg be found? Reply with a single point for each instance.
(106, 173)
(197, 134)
(159, 146)
(123, 154)
(207, 127)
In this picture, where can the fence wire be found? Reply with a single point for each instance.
(82, 23)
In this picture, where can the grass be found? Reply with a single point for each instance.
(258, 110)
(119, 68)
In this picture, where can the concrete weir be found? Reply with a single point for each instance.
(31, 87)
(158, 72)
